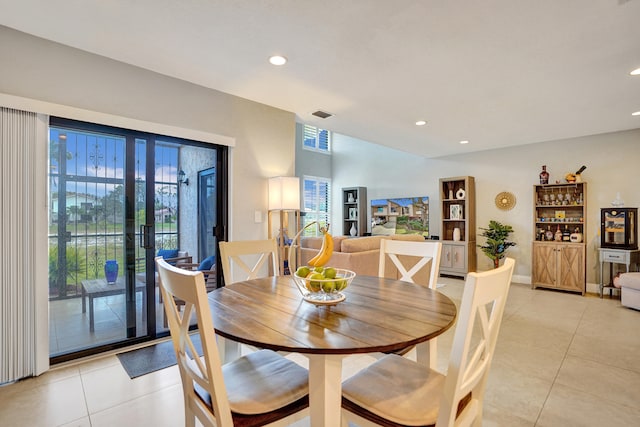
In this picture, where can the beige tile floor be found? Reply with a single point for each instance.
(561, 360)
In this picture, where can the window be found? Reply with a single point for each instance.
(316, 139)
(316, 202)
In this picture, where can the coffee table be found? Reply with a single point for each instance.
(97, 288)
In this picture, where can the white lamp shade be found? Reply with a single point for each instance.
(284, 193)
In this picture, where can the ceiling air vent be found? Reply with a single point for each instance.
(322, 114)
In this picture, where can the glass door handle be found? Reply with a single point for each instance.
(145, 236)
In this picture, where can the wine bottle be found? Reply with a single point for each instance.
(544, 175)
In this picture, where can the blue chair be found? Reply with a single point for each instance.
(175, 256)
(208, 268)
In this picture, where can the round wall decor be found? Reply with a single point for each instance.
(460, 194)
(505, 200)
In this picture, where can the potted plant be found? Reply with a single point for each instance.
(497, 244)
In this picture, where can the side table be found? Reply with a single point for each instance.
(98, 288)
(616, 256)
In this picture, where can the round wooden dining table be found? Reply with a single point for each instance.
(378, 315)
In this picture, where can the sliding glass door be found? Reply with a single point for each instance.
(118, 198)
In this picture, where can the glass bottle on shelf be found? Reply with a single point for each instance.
(548, 234)
(544, 175)
(566, 234)
(558, 235)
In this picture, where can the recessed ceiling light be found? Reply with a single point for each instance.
(278, 60)
(421, 123)
(637, 113)
(635, 72)
(464, 142)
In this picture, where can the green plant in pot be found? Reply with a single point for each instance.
(497, 244)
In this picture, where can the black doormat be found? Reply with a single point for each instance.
(153, 358)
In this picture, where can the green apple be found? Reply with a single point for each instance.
(330, 272)
(340, 285)
(314, 283)
(302, 271)
(328, 286)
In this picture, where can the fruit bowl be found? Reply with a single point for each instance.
(320, 290)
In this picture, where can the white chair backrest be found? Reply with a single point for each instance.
(427, 250)
(238, 253)
(483, 300)
(189, 287)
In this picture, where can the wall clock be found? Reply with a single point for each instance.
(505, 201)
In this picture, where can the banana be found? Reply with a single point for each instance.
(326, 250)
(323, 230)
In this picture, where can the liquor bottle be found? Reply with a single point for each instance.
(548, 234)
(566, 234)
(558, 235)
(544, 175)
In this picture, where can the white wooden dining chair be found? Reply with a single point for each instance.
(395, 391)
(249, 258)
(262, 388)
(416, 262)
(411, 258)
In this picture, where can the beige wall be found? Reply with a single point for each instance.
(612, 166)
(55, 78)
(47, 77)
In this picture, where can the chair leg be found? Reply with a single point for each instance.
(427, 354)
(189, 417)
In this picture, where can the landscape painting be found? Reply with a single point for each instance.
(405, 215)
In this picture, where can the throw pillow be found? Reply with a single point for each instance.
(168, 253)
(207, 263)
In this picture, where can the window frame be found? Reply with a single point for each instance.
(316, 214)
(316, 148)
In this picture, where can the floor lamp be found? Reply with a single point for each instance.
(284, 198)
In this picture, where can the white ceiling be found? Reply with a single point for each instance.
(495, 72)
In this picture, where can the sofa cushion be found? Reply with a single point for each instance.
(359, 244)
(316, 242)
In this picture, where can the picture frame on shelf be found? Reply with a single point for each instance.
(353, 213)
(455, 212)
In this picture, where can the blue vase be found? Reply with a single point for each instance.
(111, 271)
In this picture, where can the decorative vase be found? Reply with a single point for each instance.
(350, 198)
(450, 188)
(456, 234)
(576, 237)
(353, 231)
(111, 271)
(544, 175)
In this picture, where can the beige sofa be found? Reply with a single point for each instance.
(360, 254)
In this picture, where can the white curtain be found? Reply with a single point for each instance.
(24, 343)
